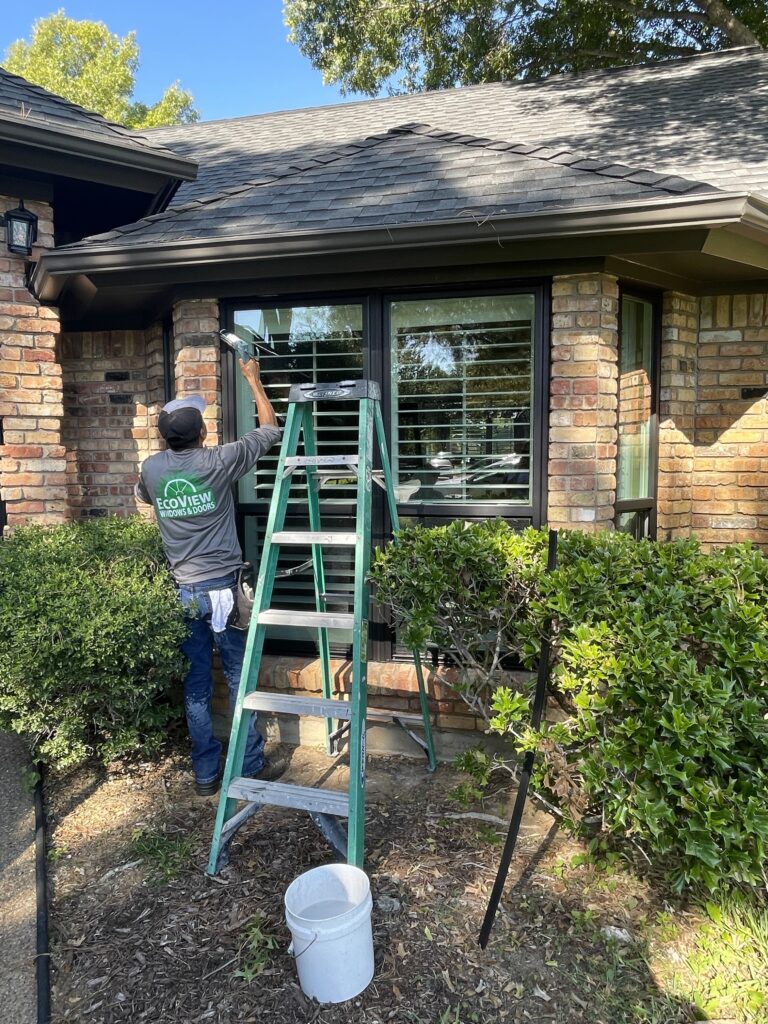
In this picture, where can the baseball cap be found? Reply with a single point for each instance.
(181, 420)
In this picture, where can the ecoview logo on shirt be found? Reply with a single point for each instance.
(182, 496)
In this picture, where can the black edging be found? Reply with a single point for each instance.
(42, 959)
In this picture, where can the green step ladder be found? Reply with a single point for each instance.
(327, 808)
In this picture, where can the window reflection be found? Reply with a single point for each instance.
(635, 400)
(461, 399)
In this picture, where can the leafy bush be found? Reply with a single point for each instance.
(89, 633)
(660, 659)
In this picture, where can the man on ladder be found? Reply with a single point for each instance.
(190, 487)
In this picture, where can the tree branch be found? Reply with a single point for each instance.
(722, 17)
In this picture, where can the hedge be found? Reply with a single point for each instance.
(660, 660)
(89, 633)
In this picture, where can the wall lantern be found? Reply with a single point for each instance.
(20, 230)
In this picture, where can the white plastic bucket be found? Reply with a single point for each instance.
(328, 910)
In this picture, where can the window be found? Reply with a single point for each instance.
(319, 343)
(461, 400)
(636, 421)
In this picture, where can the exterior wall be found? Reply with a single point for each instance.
(730, 471)
(677, 413)
(583, 402)
(32, 466)
(106, 427)
(114, 388)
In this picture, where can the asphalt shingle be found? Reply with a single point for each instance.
(700, 118)
(406, 177)
(22, 101)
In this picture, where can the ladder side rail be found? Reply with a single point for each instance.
(359, 696)
(389, 485)
(318, 567)
(394, 519)
(256, 633)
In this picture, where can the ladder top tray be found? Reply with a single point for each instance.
(344, 391)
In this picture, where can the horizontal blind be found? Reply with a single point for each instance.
(323, 344)
(462, 387)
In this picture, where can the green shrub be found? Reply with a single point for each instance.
(89, 633)
(661, 660)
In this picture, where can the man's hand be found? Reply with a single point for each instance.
(264, 410)
(251, 372)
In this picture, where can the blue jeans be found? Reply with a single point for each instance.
(198, 682)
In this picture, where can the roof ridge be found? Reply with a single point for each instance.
(120, 129)
(509, 83)
(561, 155)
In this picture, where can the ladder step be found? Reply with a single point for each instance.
(321, 460)
(282, 794)
(285, 704)
(314, 537)
(387, 715)
(326, 620)
(320, 707)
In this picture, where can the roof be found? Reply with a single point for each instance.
(702, 118)
(412, 174)
(31, 115)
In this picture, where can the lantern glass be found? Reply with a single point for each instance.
(21, 231)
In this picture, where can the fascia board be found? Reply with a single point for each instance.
(106, 151)
(707, 210)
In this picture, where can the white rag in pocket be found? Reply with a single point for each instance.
(222, 603)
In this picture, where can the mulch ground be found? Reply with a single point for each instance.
(141, 934)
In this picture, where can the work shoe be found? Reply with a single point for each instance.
(208, 788)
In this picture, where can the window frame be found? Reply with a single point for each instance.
(377, 364)
(649, 504)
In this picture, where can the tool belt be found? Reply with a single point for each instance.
(244, 593)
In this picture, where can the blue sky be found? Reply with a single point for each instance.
(232, 55)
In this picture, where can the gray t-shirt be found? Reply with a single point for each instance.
(192, 495)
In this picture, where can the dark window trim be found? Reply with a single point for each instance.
(377, 364)
(650, 503)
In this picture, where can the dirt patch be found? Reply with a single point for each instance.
(140, 933)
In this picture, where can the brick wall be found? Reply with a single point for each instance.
(106, 421)
(32, 466)
(583, 400)
(677, 412)
(114, 388)
(730, 471)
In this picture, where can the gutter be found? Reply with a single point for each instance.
(699, 211)
(105, 150)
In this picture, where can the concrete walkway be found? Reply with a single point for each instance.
(17, 886)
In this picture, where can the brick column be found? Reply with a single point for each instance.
(196, 354)
(583, 402)
(677, 409)
(32, 465)
(730, 472)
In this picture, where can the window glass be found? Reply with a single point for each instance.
(322, 343)
(635, 400)
(462, 388)
(311, 343)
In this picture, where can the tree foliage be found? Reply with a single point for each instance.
(411, 45)
(88, 65)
